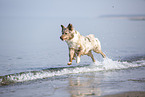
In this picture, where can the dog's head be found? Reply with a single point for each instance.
(67, 32)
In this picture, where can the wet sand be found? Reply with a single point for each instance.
(128, 94)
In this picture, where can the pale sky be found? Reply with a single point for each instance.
(69, 8)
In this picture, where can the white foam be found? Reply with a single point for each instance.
(106, 64)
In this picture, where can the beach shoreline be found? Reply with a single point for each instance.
(127, 94)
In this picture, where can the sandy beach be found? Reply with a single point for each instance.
(128, 94)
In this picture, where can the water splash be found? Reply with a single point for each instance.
(105, 65)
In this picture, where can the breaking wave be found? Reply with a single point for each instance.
(106, 65)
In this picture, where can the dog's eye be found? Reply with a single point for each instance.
(65, 33)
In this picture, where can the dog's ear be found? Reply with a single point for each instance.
(62, 27)
(70, 27)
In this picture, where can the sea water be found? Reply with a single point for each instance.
(33, 61)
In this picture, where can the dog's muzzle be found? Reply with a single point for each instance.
(61, 38)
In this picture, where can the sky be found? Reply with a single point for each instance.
(69, 8)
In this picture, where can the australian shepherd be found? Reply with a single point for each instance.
(80, 45)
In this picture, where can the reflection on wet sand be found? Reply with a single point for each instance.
(86, 86)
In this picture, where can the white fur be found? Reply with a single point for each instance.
(73, 43)
(86, 43)
(78, 59)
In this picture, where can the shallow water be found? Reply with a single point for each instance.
(106, 65)
(97, 79)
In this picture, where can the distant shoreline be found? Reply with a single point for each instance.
(131, 17)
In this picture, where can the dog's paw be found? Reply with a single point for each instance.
(69, 63)
(78, 59)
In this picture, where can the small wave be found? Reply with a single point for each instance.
(106, 64)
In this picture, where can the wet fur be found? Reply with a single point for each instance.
(80, 45)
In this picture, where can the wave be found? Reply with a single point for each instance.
(105, 65)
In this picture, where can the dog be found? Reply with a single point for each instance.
(80, 45)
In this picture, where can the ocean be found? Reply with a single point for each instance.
(33, 59)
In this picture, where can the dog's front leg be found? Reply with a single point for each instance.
(78, 56)
(71, 55)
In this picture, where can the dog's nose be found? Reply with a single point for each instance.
(61, 38)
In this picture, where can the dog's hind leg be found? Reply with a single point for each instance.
(100, 52)
(97, 49)
(91, 55)
(103, 55)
